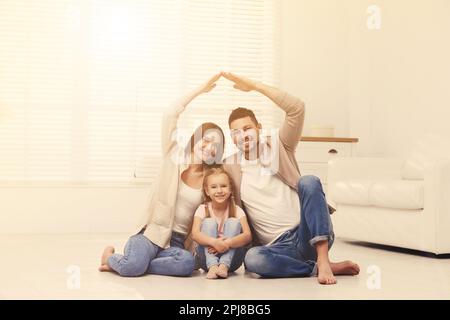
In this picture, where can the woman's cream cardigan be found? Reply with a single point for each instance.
(159, 213)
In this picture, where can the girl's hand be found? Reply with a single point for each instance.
(220, 246)
(210, 84)
(214, 251)
(211, 250)
(241, 83)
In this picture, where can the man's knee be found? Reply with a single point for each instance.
(256, 261)
(309, 183)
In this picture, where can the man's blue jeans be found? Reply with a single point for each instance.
(142, 256)
(294, 253)
(233, 258)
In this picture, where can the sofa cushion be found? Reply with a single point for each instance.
(394, 194)
(398, 194)
(354, 192)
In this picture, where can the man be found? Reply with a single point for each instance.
(288, 213)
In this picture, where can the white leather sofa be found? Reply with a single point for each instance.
(403, 203)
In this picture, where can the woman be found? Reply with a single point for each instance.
(159, 246)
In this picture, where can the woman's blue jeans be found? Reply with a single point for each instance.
(294, 253)
(142, 256)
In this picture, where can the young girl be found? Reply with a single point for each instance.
(220, 228)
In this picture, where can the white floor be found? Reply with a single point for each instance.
(65, 267)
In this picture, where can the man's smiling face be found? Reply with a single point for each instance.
(245, 133)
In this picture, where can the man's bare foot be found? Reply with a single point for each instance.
(345, 268)
(222, 271)
(212, 272)
(108, 252)
(325, 274)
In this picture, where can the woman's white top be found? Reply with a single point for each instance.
(188, 200)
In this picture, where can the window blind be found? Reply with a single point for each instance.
(83, 84)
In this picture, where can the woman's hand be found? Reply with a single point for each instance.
(210, 84)
(241, 83)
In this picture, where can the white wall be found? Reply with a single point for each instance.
(70, 209)
(399, 76)
(314, 60)
(387, 87)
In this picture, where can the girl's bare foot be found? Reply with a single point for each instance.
(108, 252)
(212, 272)
(345, 268)
(222, 271)
(325, 273)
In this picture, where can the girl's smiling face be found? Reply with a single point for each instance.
(218, 187)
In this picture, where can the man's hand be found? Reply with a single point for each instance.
(241, 83)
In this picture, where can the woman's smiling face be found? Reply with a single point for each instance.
(206, 149)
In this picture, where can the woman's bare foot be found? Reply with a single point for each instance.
(104, 268)
(345, 268)
(108, 252)
(212, 272)
(325, 273)
(222, 271)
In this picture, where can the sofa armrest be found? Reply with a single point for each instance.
(364, 168)
(437, 201)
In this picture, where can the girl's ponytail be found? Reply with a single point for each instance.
(232, 208)
(207, 214)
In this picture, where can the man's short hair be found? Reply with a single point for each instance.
(240, 113)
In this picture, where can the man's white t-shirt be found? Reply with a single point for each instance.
(272, 206)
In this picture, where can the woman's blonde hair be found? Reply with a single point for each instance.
(206, 198)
